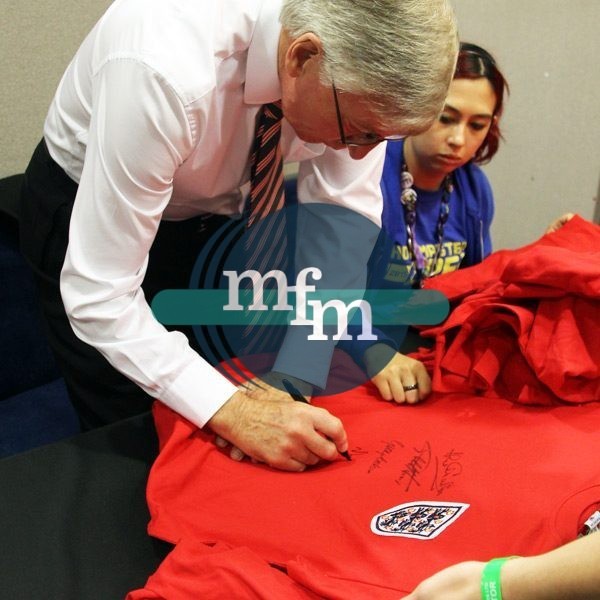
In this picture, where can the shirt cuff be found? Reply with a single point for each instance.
(198, 392)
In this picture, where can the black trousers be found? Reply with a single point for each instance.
(99, 393)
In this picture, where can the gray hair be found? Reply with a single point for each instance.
(400, 54)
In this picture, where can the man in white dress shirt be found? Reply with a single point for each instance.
(152, 125)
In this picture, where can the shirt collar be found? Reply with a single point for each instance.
(262, 79)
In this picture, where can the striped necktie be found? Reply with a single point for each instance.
(266, 240)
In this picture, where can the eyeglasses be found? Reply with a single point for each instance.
(358, 139)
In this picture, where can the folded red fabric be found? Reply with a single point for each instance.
(525, 323)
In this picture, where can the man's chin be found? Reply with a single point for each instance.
(311, 138)
(329, 144)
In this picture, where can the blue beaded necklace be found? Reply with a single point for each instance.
(408, 198)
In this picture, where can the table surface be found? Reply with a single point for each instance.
(73, 516)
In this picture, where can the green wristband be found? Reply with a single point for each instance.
(490, 579)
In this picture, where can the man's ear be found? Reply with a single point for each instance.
(302, 53)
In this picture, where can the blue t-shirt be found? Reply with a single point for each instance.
(466, 240)
(400, 269)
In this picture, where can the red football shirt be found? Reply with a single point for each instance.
(528, 323)
(457, 478)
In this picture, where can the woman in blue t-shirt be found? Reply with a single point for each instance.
(437, 206)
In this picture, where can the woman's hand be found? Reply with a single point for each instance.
(558, 223)
(402, 379)
(458, 582)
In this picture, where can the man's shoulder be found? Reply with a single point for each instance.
(183, 41)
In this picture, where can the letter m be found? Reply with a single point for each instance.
(342, 311)
(258, 284)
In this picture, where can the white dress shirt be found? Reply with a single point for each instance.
(154, 119)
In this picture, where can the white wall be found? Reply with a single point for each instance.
(549, 51)
(37, 41)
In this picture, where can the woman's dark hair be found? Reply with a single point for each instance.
(473, 63)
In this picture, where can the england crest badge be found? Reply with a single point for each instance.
(423, 520)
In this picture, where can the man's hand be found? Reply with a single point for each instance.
(268, 426)
(400, 372)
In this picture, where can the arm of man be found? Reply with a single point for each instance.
(133, 151)
(338, 224)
